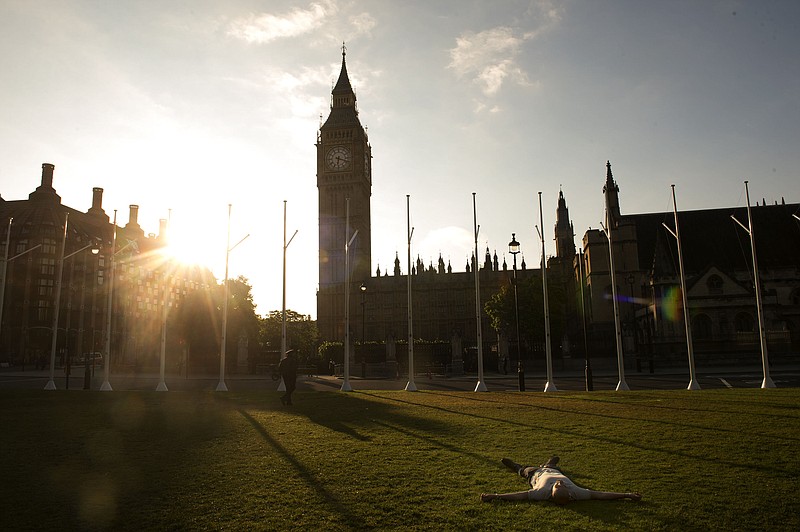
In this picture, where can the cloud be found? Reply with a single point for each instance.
(490, 57)
(264, 28)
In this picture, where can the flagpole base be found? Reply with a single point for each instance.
(767, 383)
(550, 387)
(481, 386)
(411, 387)
(162, 387)
(105, 387)
(622, 386)
(346, 386)
(693, 385)
(50, 385)
(221, 387)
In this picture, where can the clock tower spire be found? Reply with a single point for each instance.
(344, 163)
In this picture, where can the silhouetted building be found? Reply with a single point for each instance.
(719, 278)
(144, 280)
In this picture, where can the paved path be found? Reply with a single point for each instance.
(784, 377)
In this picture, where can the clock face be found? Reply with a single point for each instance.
(338, 158)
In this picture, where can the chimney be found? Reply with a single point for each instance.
(97, 198)
(133, 230)
(45, 191)
(97, 204)
(133, 219)
(47, 175)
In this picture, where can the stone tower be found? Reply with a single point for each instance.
(344, 178)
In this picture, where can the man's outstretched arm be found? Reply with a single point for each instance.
(611, 495)
(516, 496)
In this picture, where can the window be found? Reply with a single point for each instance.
(701, 327)
(795, 297)
(714, 283)
(744, 322)
(48, 266)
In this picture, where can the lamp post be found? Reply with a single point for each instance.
(51, 385)
(588, 370)
(221, 387)
(513, 248)
(6, 260)
(363, 288)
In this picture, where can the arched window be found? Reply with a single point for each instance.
(744, 322)
(714, 283)
(795, 296)
(701, 327)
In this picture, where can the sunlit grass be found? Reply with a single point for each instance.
(718, 459)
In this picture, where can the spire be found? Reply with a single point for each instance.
(564, 233)
(611, 190)
(343, 84)
(344, 112)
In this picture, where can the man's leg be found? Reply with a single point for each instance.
(522, 470)
(512, 465)
(551, 462)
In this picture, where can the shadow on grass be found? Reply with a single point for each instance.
(326, 497)
(544, 397)
(712, 461)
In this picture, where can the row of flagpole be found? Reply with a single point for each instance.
(481, 385)
(608, 230)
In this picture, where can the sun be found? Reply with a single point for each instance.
(197, 243)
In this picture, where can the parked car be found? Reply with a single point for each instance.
(92, 359)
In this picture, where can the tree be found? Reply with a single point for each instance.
(242, 319)
(500, 309)
(200, 319)
(301, 333)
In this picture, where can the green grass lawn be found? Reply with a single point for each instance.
(711, 459)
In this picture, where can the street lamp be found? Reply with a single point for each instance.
(363, 288)
(513, 248)
(588, 370)
(51, 385)
(6, 260)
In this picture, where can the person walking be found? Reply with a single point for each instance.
(288, 371)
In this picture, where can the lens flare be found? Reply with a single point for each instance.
(671, 304)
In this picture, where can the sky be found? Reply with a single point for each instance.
(186, 107)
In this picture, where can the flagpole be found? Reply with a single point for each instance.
(549, 386)
(693, 384)
(767, 382)
(481, 385)
(346, 382)
(282, 385)
(106, 386)
(410, 386)
(621, 385)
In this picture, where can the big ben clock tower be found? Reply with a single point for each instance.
(343, 179)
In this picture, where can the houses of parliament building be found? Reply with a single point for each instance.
(719, 272)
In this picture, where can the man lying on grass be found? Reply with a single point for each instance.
(549, 483)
